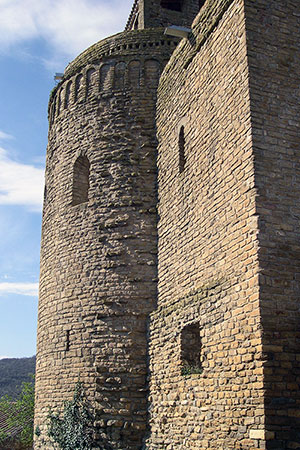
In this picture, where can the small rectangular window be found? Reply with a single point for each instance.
(191, 349)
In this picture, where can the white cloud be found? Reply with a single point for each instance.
(4, 136)
(68, 26)
(20, 184)
(28, 289)
(4, 357)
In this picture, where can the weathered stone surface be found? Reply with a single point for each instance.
(273, 37)
(98, 257)
(227, 276)
(208, 242)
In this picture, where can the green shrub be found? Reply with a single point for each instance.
(73, 429)
(188, 370)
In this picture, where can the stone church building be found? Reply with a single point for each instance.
(170, 258)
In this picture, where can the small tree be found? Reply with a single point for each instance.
(74, 430)
(19, 414)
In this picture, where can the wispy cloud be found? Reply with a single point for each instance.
(28, 289)
(68, 26)
(5, 136)
(20, 184)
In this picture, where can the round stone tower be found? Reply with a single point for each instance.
(98, 254)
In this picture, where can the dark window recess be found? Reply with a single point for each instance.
(78, 85)
(181, 145)
(175, 5)
(81, 180)
(68, 94)
(90, 80)
(191, 349)
(67, 340)
(45, 193)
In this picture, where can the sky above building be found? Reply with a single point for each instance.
(37, 39)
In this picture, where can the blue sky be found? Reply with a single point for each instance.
(37, 39)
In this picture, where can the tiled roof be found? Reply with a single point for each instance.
(6, 427)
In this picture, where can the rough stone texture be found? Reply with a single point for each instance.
(273, 38)
(228, 268)
(229, 227)
(98, 258)
(208, 263)
(151, 14)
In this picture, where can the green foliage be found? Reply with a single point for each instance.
(3, 436)
(74, 430)
(13, 372)
(188, 370)
(20, 413)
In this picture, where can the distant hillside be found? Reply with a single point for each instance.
(13, 371)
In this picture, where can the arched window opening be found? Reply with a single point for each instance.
(174, 5)
(191, 349)
(91, 81)
(81, 180)
(181, 145)
(134, 73)
(68, 94)
(78, 86)
(119, 76)
(106, 77)
(152, 72)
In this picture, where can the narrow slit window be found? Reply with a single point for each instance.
(181, 145)
(191, 349)
(81, 180)
(67, 340)
(173, 5)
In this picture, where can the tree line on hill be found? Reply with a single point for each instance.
(70, 428)
(14, 372)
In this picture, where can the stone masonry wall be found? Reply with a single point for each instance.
(157, 16)
(150, 14)
(208, 246)
(98, 257)
(273, 38)
(223, 339)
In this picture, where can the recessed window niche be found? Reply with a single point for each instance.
(81, 180)
(191, 350)
(181, 149)
(67, 340)
(174, 5)
(68, 94)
